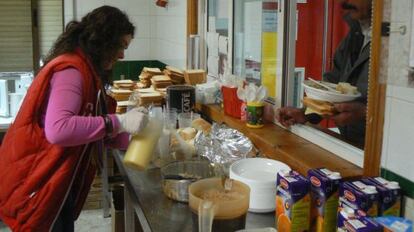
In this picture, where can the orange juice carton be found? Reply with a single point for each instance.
(389, 200)
(360, 224)
(395, 224)
(292, 202)
(324, 192)
(360, 197)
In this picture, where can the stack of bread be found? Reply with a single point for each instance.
(149, 96)
(323, 108)
(194, 76)
(161, 81)
(176, 75)
(146, 75)
(122, 89)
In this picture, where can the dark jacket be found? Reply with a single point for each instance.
(351, 65)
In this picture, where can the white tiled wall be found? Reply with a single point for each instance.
(398, 136)
(398, 144)
(169, 31)
(160, 32)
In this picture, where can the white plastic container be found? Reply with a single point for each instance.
(260, 175)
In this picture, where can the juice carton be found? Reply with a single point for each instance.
(389, 201)
(360, 224)
(360, 197)
(395, 224)
(324, 199)
(292, 202)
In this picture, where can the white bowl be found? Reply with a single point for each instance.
(260, 175)
(325, 95)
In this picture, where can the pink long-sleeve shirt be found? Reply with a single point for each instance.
(63, 125)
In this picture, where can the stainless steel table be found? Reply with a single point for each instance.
(155, 212)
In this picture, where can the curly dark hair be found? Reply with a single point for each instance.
(99, 34)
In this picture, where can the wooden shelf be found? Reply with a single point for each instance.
(277, 143)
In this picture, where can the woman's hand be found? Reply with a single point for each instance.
(133, 121)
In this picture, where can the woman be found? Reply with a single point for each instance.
(45, 159)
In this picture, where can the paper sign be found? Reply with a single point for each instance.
(212, 65)
(212, 43)
(212, 24)
(222, 44)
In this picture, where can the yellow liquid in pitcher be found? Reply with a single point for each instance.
(142, 145)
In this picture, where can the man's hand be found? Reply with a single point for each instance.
(349, 113)
(288, 116)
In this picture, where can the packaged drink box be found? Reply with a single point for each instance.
(324, 192)
(389, 200)
(395, 224)
(360, 197)
(360, 224)
(292, 202)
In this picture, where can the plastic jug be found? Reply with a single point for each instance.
(142, 145)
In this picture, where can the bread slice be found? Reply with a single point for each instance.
(124, 82)
(174, 70)
(319, 107)
(161, 78)
(153, 71)
(195, 76)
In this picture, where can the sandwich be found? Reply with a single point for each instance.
(320, 107)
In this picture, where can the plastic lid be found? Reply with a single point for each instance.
(348, 212)
(393, 185)
(335, 176)
(370, 189)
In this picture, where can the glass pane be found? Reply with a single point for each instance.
(217, 34)
(322, 25)
(255, 42)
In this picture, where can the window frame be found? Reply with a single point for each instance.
(370, 157)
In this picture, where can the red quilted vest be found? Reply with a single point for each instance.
(35, 176)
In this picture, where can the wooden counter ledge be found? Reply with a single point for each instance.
(280, 144)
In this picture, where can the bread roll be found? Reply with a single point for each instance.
(187, 133)
(201, 124)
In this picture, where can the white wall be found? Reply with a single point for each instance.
(398, 142)
(160, 32)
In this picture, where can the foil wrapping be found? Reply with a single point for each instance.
(224, 145)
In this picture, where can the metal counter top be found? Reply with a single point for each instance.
(156, 212)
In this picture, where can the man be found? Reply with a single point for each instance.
(350, 64)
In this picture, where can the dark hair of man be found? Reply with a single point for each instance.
(99, 35)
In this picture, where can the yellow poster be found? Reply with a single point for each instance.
(269, 51)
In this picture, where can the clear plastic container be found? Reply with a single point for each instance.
(185, 119)
(142, 145)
